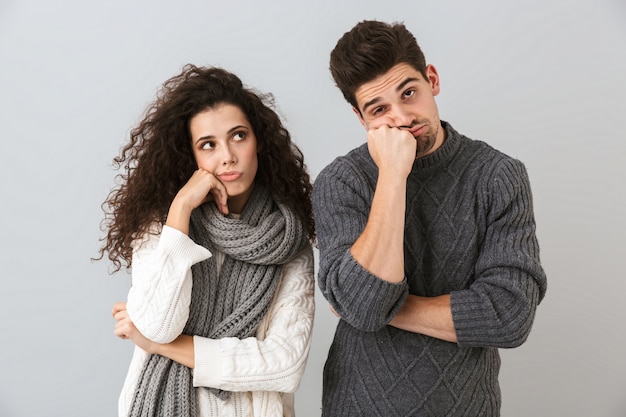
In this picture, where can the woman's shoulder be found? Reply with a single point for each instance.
(151, 235)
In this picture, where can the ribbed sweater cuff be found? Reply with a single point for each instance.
(207, 356)
(178, 245)
(469, 317)
(373, 301)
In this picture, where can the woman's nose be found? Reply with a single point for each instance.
(228, 157)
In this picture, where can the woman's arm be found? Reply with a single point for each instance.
(158, 301)
(274, 360)
(180, 350)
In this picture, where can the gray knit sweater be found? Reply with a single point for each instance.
(469, 232)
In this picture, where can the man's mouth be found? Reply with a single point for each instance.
(417, 131)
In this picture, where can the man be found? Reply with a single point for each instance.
(427, 245)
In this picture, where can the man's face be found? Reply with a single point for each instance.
(402, 98)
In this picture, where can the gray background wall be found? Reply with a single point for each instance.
(541, 80)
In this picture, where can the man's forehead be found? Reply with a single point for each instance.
(391, 82)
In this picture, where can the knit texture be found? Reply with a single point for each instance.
(229, 302)
(470, 233)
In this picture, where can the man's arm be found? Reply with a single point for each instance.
(380, 247)
(498, 309)
(359, 215)
(431, 316)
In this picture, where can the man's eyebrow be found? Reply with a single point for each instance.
(398, 88)
(370, 103)
(405, 82)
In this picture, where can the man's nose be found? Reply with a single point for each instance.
(402, 117)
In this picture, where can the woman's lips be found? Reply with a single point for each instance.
(230, 176)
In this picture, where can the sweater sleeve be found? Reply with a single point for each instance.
(341, 203)
(499, 307)
(275, 359)
(160, 295)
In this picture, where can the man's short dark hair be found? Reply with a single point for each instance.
(370, 49)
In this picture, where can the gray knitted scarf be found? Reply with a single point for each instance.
(228, 300)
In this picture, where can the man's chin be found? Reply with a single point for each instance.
(424, 146)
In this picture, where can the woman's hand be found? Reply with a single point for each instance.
(180, 350)
(125, 328)
(201, 187)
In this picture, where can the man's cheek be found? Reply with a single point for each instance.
(381, 121)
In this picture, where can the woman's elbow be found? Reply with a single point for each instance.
(292, 370)
(163, 333)
(292, 382)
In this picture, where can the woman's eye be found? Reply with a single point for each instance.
(208, 145)
(239, 136)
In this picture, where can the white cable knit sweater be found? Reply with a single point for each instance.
(261, 371)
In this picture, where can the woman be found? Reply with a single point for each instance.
(213, 213)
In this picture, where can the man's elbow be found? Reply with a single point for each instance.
(515, 332)
(367, 321)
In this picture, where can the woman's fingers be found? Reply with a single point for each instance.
(123, 325)
(220, 195)
(203, 186)
(117, 307)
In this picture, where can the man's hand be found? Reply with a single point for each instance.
(392, 149)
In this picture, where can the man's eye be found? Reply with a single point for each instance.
(409, 93)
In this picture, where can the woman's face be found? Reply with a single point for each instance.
(224, 144)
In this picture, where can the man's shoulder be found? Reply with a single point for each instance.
(493, 167)
(356, 160)
(485, 152)
(483, 161)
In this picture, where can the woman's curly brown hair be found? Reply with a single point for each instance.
(158, 159)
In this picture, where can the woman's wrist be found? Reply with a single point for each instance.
(180, 350)
(178, 216)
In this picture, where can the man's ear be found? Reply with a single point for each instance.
(433, 79)
(359, 116)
